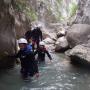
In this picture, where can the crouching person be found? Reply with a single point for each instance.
(41, 52)
(28, 64)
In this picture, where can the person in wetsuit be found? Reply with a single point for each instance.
(28, 64)
(36, 37)
(28, 35)
(41, 51)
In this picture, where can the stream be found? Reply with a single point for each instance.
(59, 74)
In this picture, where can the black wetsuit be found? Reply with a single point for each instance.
(28, 35)
(41, 54)
(36, 36)
(28, 63)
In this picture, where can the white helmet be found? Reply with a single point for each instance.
(22, 40)
(42, 43)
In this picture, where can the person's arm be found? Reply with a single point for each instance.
(48, 55)
(35, 52)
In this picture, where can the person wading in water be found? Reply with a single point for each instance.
(42, 51)
(28, 64)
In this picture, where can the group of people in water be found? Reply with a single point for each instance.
(28, 51)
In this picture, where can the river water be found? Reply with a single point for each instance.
(57, 75)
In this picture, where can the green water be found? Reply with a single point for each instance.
(58, 75)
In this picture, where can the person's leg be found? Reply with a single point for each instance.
(22, 68)
(31, 71)
(33, 45)
(25, 73)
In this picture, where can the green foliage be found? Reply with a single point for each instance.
(31, 13)
(73, 8)
(57, 9)
(59, 1)
(23, 6)
(58, 13)
(20, 5)
(69, 9)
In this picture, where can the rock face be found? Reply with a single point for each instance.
(22, 24)
(83, 13)
(78, 34)
(61, 44)
(79, 40)
(7, 34)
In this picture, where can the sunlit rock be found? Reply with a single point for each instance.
(48, 34)
(78, 34)
(61, 44)
(61, 33)
(49, 41)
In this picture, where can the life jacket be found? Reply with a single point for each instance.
(26, 51)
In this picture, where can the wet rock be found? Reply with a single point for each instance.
(78, 34)
(67, 53)
(80, 54)
(61, 44)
